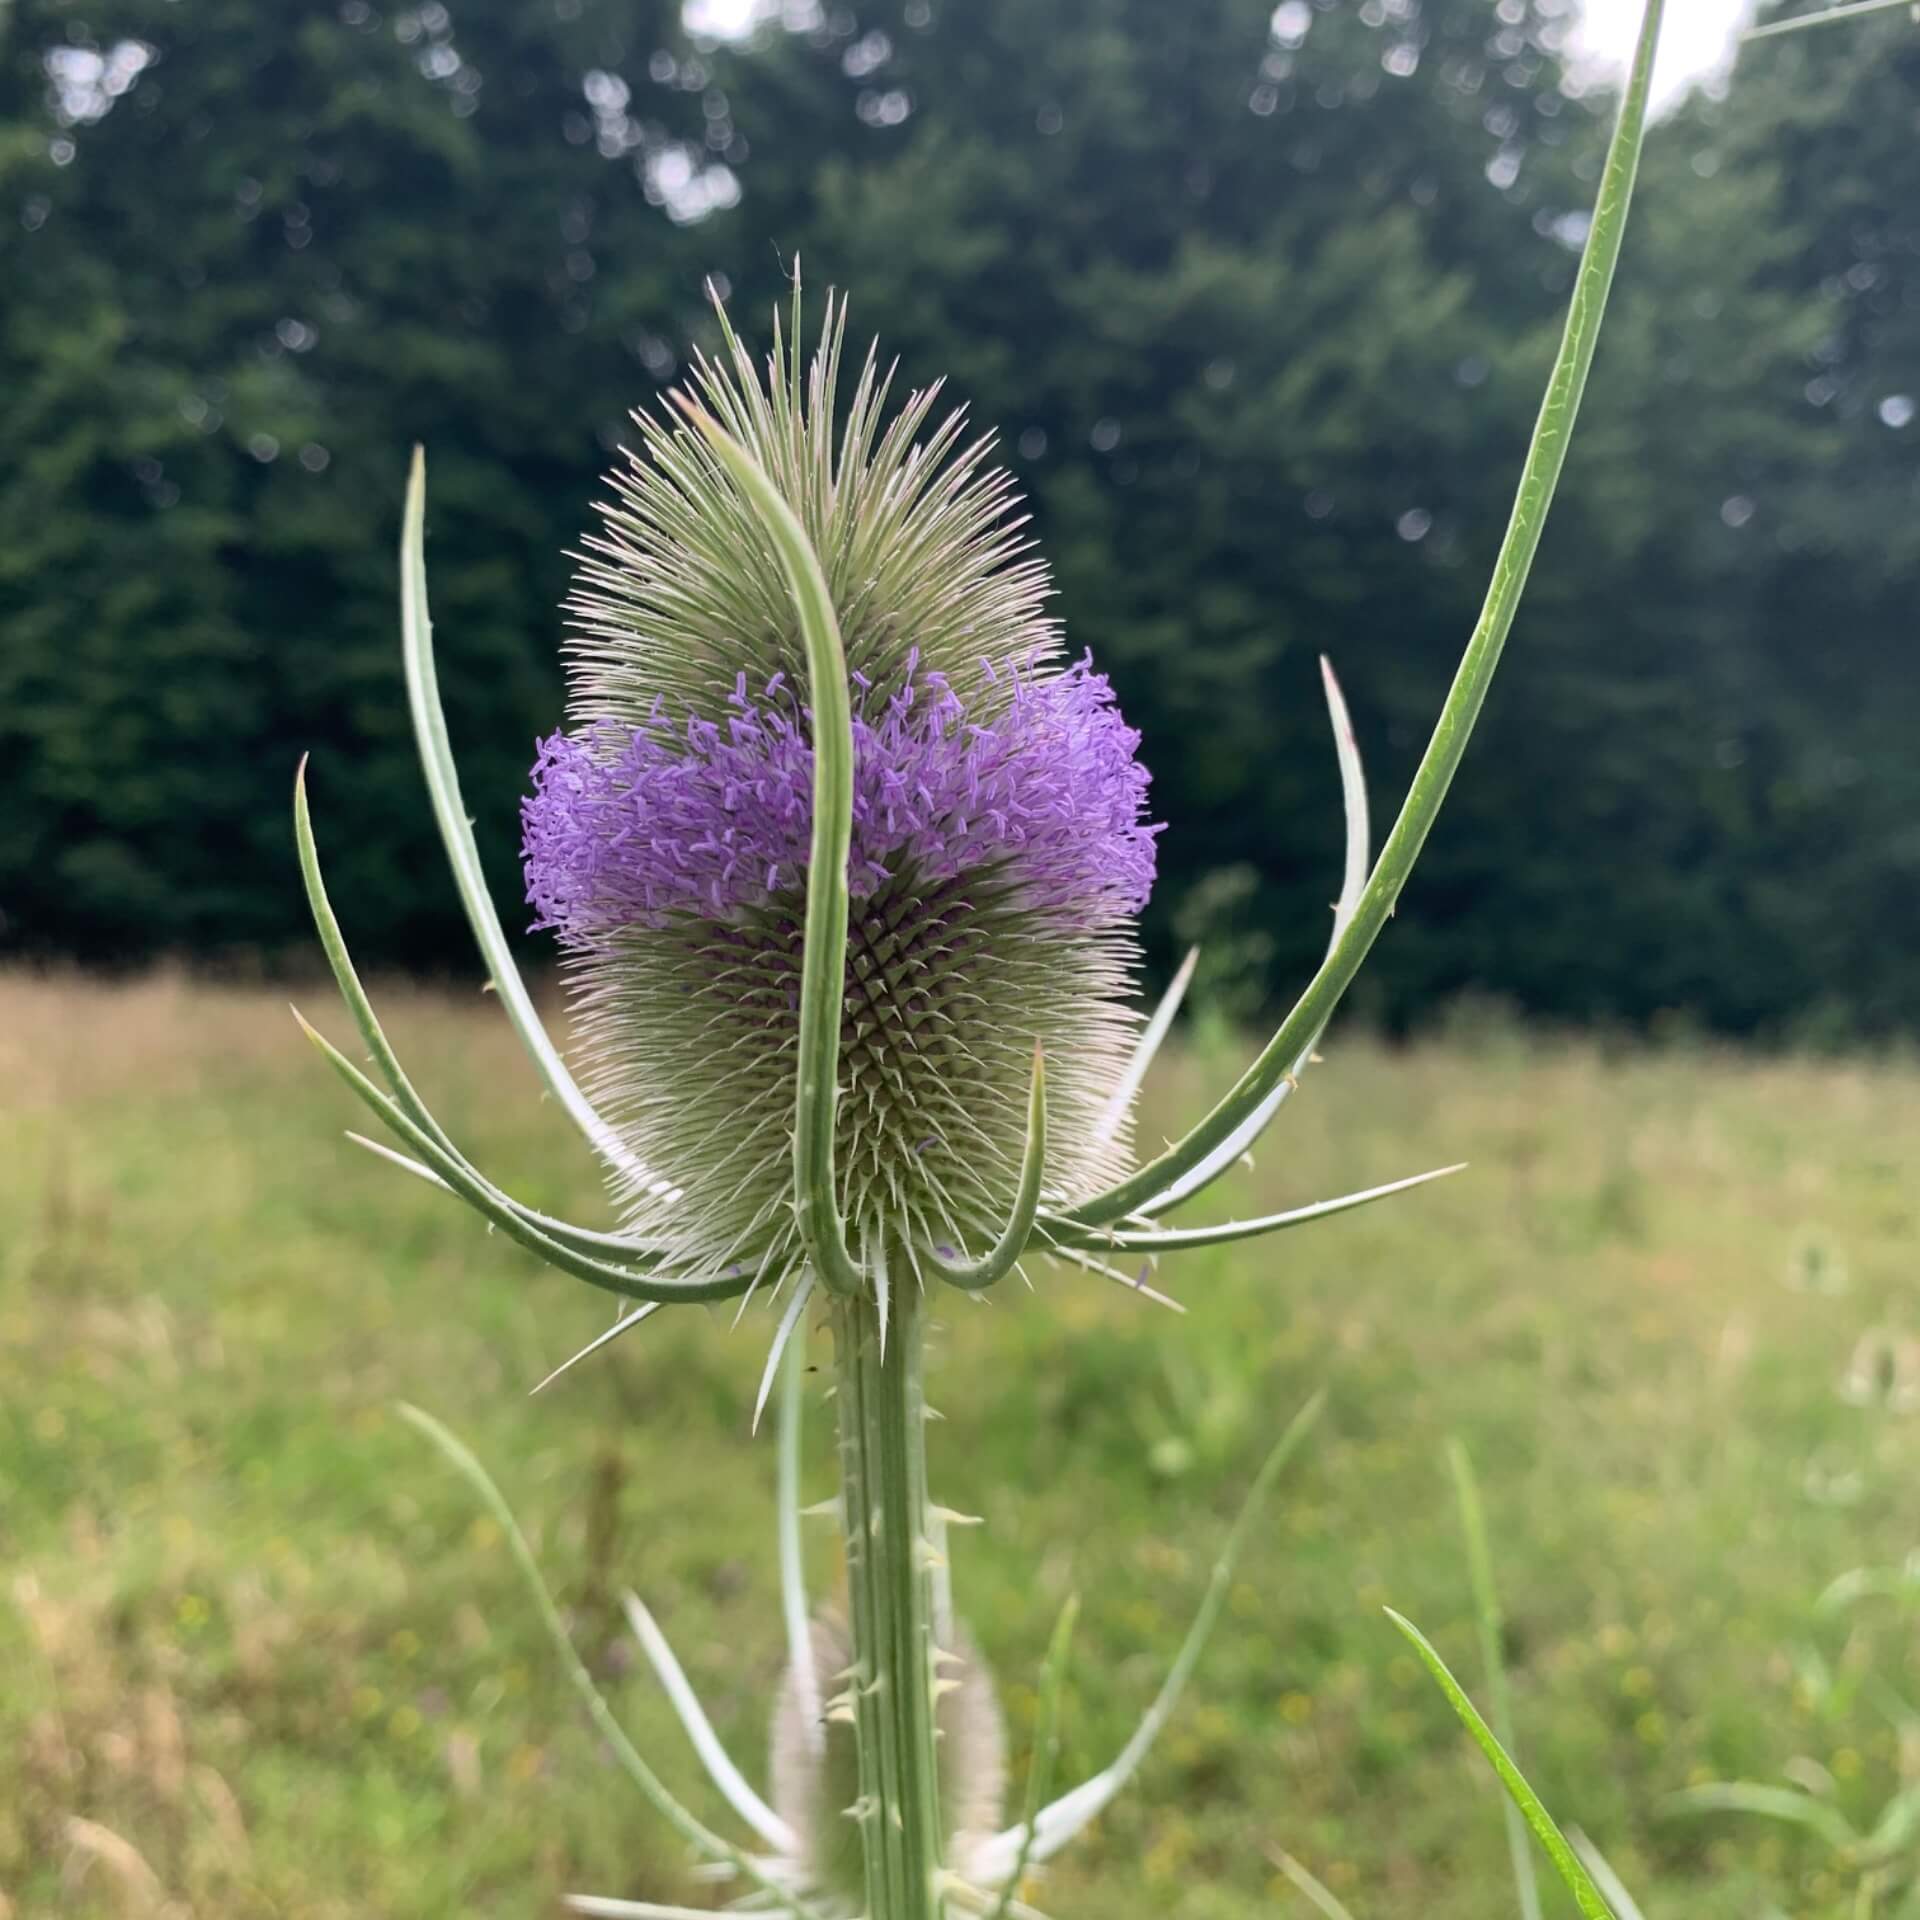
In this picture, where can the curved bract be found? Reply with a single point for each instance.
(999, 1260)
(823, 960)
(610, 1275)
(456, 832)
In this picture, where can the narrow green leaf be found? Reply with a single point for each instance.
(1486, 1607)
(698, 1836)
(1893, 1832)
(1538, 478)
(1579, 1881)
(1610, 1884)
(823, 963)
(1869, 1583)
(1322, 1897)
(1065, 1817)
(1046, 1750)
(1787, 1805)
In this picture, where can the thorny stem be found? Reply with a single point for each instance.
(893, 1685)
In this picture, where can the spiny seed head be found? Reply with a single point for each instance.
(999, 844)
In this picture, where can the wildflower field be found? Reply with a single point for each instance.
(260, 1656)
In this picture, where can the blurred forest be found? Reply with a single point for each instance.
(1262, 301)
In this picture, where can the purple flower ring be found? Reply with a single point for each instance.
(631, 827)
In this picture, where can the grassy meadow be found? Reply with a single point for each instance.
(259, 1656)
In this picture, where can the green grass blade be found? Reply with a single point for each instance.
(599, 1273)
(998, 1261)
(1174, 1239)
(1057, 1823)
(1320, 1896)
(1539, 476)
(1788, 1805)
(697, 1835)
(823, 963)
(1866, 1583)
(1611, 1886)
(1893, 1832)
(1487, 1615)
(1046, 1751)
(1587, 1896)
(456, 833)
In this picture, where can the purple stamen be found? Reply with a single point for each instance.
(629, 826)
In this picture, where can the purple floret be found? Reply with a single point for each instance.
(633, 826)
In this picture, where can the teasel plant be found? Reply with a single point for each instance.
(843, 850)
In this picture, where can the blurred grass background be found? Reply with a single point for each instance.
(262, 1658)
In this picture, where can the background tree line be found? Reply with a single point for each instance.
(1261, 301)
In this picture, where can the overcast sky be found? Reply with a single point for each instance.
(1696, 39)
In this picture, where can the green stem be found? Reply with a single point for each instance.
(1546, 455)
(883, 1490)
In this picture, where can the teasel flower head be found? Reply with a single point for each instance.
(999, 845)
(842, 846)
